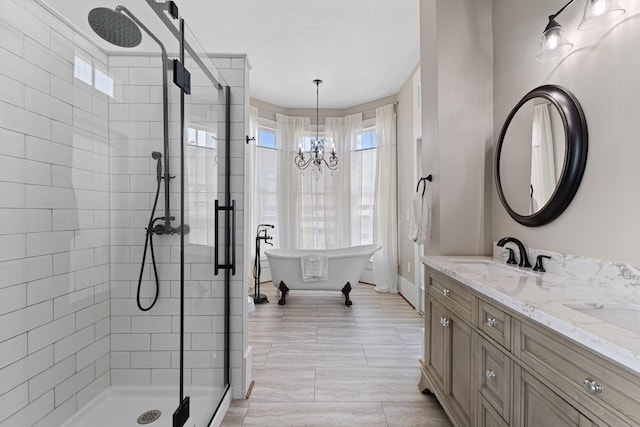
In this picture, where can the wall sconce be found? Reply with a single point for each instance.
(599, 12)
(553, 43)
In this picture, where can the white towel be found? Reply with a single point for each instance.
(420, 216)
(314, 267)
(415, 213)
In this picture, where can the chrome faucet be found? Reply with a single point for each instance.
(524, 259)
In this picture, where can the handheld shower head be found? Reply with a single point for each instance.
(114, 27)
(156, 155)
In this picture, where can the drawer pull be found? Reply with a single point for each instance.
(490, 374)
(446, 292)
(444, 322)
(491, 322)
(592, 386)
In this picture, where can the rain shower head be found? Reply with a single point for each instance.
(115, 27)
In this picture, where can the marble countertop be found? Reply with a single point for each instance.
(544, 297)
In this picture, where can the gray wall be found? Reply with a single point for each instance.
(602, 72)
(457, 89)
(406, 178)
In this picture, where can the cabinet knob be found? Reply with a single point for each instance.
(491, 322)
(592, 387)
(444, 322)
(490, 374)
(446, 292)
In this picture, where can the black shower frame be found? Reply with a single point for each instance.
(181, 78)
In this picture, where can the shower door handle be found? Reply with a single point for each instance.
(231, 210)
(233, 237)
(215, 239)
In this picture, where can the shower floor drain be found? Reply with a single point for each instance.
(149, 416)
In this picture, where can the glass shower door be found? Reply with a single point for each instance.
(205, 364)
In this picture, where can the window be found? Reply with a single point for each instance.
(84, 71)
(363, 179)
(321, 207)
(267, 138)
(103, 82)
(202, 138)
(318, 202)
(268, 173)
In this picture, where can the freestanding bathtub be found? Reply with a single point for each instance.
(345, 265)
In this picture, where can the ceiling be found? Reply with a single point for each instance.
(362, 49)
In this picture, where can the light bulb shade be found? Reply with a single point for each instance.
(598, 13)
(553, 44)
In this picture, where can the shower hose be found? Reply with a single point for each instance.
(148, 242)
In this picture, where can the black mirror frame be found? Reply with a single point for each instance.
(575, 128)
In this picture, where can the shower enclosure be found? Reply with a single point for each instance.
(118, 156)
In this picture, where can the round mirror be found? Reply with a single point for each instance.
(541, 155)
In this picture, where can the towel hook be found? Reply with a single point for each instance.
(423, 181)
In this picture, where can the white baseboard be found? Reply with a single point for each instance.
(247, 361)
(409, 291)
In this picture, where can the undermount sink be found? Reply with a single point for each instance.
(490, 268)
(625, 316)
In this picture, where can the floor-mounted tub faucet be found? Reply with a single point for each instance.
(524, 259)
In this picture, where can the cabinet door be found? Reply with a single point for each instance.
(535, 405)
(487, 416)
(460, 385)
(494, 377)
(434, 344)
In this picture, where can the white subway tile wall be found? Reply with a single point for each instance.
(77, 183)
(54, 275)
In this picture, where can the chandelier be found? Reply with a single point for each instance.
(315, 155)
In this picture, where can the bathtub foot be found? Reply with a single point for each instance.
(283, 293)
(345, 291)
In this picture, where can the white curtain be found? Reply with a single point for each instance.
(253, 182)
(290, 134)
(543, 174)
(385, 261)
(344, 132)
(202, 191)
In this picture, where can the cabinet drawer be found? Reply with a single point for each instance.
(589, 379)
(451, 294)
(495, 323)
(494, 377)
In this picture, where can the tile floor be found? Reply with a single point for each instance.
(319, 363)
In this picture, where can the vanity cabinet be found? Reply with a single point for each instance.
(450, 344)
(490, 366)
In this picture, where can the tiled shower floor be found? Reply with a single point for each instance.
(319, 363)
(122, 405)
